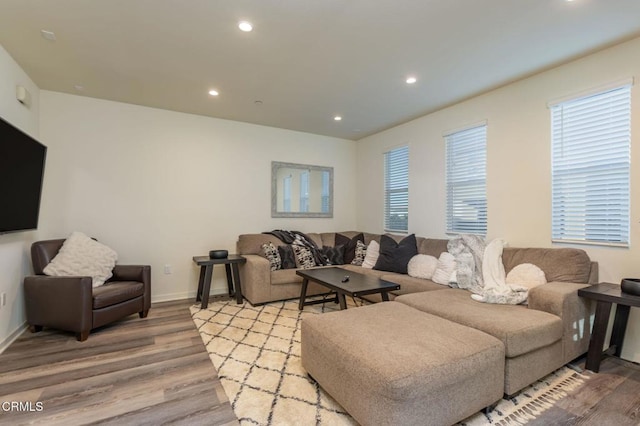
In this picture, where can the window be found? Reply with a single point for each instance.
(466, 180)
(590, 168)
(396, 190)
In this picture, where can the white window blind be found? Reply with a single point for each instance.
(396, 190)
(466, 177)
(590, 168)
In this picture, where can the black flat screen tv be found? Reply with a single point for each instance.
(22, 161)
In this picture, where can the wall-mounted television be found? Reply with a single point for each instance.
(22, 161)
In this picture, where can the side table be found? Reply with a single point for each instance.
(605, 294)
(206, 272)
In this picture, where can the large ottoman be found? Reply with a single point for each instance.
(390, 364)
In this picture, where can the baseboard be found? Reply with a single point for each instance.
(13, 336)
(169, 297)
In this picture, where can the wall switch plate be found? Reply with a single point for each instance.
(167, 269)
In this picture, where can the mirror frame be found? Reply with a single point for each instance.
(275, 166)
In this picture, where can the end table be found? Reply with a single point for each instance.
(206, 272)
(605, 294)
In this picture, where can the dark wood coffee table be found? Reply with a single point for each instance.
(357, 286)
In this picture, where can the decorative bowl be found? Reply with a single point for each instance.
(631, 286)
(218, 254)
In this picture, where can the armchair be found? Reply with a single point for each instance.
(70, 303)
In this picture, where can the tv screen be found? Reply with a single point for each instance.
(22, 161)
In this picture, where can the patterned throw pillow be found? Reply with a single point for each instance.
(287, 257)
(360, 253)
(271, 253)
(304, 257)
(335, 255)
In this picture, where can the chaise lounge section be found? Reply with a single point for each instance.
(535, 339)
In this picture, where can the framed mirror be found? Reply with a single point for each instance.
(301, 190)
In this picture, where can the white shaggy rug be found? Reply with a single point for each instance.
(256, 351)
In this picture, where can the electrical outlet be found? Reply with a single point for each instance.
(168, 269)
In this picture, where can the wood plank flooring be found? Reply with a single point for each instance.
(134, 372)
(156, 371)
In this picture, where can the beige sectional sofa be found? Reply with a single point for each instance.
(537, 339)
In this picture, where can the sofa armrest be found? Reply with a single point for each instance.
(140, 273)
(59, 302)
(255, 276)
(561, 299)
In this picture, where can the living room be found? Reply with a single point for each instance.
(160, 186)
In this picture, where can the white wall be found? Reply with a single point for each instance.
(518, 169)
(15, 261)
(160, 187)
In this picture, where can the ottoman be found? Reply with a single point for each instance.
(390, 364)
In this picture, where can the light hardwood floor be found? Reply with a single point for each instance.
(156, 371)
(136, 371)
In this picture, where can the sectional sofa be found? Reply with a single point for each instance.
(531, 340)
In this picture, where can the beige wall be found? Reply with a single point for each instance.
(14, 247)
(518, 169)
(160, 187)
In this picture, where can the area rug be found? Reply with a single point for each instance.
(256, 352)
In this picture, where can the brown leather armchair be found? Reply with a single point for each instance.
(70, 303)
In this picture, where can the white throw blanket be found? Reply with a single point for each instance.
(468, 251)
(496, 289)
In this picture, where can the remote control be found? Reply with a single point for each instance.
(345, 279)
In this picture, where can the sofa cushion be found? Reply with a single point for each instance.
(395, 256)
(335, 255)
(431, 246)
(411, 285)
(116, 292)
(559, 264)
(304, 257)
(372, 252)
(422, 266)
(285, 276)
(271, 253)
(526, 275)
(349, 245)
(521, 330)
(83, 256)
(287, 256)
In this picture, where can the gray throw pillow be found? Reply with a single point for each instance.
(335, 255)
(287, 257)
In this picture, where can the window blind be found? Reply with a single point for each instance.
(590, 168)
(396, 190)
(466, 177)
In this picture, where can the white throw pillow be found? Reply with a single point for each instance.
(373, 252)
(84, 257)
(422, 266)
(445, 269)
(526, 275)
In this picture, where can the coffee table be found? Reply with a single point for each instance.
(358, 285)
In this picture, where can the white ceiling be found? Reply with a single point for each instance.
(306, 60)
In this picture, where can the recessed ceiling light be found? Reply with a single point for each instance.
(48, 35)
(213, 92)
(245, 26)
(337, 118)
(411, 80)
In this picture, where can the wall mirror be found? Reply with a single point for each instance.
(301, 190)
